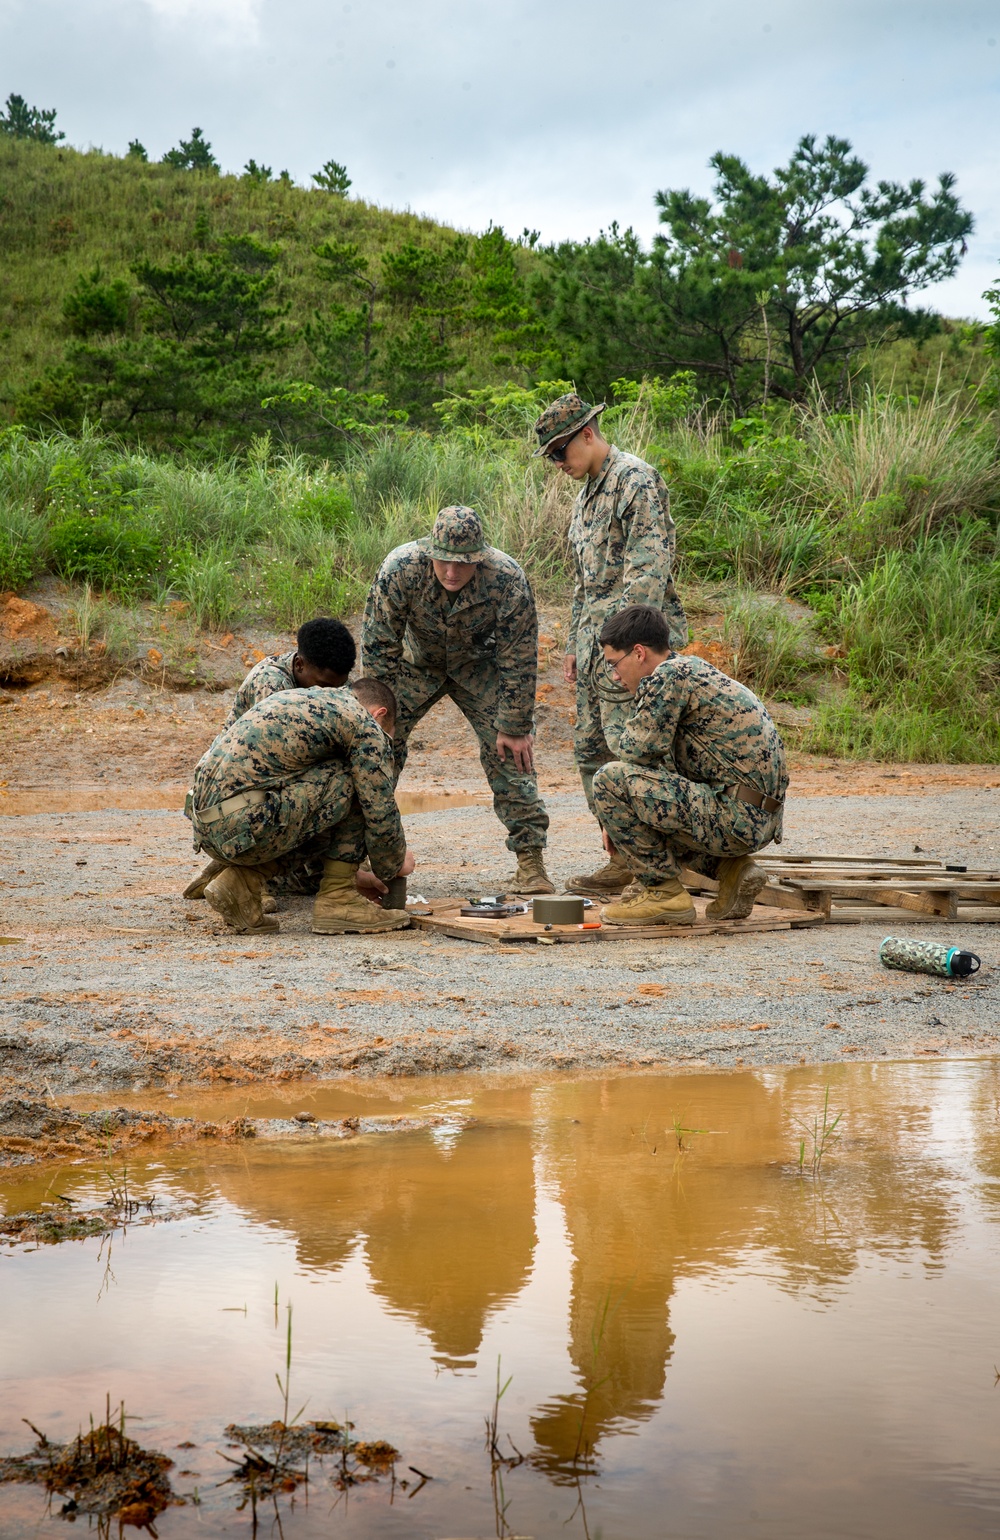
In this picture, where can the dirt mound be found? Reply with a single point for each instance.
(716, 653)
(21, 620)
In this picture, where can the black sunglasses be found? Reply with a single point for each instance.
(559, 455)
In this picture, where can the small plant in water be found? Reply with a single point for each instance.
(820, 1133)
(278, 1453)
(499, 1462)
(102, 1472)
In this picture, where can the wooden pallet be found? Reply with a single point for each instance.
(855, 888)
(446, 920)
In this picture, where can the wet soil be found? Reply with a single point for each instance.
(112, 983)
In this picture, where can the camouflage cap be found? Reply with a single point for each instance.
(457, 536)
(566, 415)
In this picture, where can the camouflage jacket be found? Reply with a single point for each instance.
(623, 543)
(264, 679)
(490, 625)
(276, 740)
(691, 718)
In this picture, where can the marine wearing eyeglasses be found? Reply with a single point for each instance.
(699, 781)
(623, 544)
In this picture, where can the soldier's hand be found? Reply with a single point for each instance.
(569, 667)
(608, 845)
(370, 886)
(408, 864)
(521, 750)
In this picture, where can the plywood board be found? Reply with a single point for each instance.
(447, 920)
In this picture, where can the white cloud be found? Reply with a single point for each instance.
(530, 116)
(235, 20)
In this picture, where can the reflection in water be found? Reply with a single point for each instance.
(447, 1227)
(670, 1297)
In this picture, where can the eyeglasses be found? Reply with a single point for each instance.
(610, 664)
(559, 455)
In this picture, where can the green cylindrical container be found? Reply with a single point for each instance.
(948, 962)
(560, 909)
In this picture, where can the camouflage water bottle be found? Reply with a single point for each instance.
(948, 962)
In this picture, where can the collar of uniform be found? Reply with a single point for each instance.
(594, 483)
(646, 683)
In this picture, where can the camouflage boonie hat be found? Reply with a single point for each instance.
(566, 415)
(457, 536)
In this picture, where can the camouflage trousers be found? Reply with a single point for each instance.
(659, 821)
(515, 794)
(307, 821)
(600, 721)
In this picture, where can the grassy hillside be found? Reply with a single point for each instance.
(64, 213)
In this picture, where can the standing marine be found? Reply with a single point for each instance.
(303, 772)
(699, 781)
(452, 616)
(623, 545)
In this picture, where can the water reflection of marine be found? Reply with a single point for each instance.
(635, 1221)
(453, 1235)
(638, 1220)
(448, 1227)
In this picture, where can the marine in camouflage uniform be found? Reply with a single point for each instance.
(700, 781)
(265, 678)
(304, 773)
(324, 655)
(623, 544)
(478, 645)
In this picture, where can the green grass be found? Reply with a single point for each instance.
(64, 212)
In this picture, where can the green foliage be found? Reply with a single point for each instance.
(195, 359)
(771, 651)
(333, 178)
(921, 631)
(108, 554)
(20, 542)
(255, 173)
(194, 154)
(97, 306)
(771, 287)
(137, 151)
(23, 122)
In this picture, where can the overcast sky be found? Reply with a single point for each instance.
(558, 118)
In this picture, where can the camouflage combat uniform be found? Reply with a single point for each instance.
(326, 769)
(666, 802)
(478, 646)
(623, 543)
(264, 679)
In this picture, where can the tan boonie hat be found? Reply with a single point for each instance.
(566, 415)
(457, 536)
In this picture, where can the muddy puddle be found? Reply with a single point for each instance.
(716, 1320)
(25, 801)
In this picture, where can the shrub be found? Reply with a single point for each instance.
(104, 552)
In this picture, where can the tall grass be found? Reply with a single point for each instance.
(885, 519)
(922, 634)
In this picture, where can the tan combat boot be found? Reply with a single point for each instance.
(196, 889)
(237, 894)
(669, 903)
(531, 876)
(740, 880)
(340, 909)
(605, 882)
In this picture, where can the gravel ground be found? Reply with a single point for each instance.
(113, 982)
